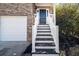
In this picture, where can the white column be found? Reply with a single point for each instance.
(47, 16)
(34, 30)
(38, 12)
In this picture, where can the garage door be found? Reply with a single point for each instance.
(13, 28)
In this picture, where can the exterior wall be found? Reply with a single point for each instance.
(45, 5)
(19, 9)
(23, 9)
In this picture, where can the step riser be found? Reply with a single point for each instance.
(44, 44)
(43, 29)
(43, 34)
(44, 41)
(45, 51)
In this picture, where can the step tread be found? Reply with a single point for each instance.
(45, 47)
(43, 27)
(43, 30)
(44, 41)
(44, 33)
(43, 36)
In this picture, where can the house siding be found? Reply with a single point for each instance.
(19, 9)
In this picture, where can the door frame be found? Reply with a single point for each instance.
(38, 14)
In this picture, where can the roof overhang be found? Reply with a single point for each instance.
(43, 4)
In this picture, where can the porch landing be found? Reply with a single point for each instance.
(45, 54)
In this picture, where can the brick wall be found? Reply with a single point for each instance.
(19, 9)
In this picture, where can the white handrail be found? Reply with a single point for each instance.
(54, 30)
(34, 32)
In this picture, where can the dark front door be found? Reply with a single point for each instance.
(42, 16)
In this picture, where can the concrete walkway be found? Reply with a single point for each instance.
(12, 48)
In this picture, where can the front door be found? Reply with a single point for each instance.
(42, 16)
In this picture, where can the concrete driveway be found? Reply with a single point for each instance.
(13, 48)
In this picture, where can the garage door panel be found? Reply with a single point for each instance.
(13, 28)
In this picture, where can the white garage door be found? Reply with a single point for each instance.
(13, 28)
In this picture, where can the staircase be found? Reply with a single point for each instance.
(44, 42)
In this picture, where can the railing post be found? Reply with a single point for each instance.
(33, 39)
(54, 31)
(34, 32)
(56, 37)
